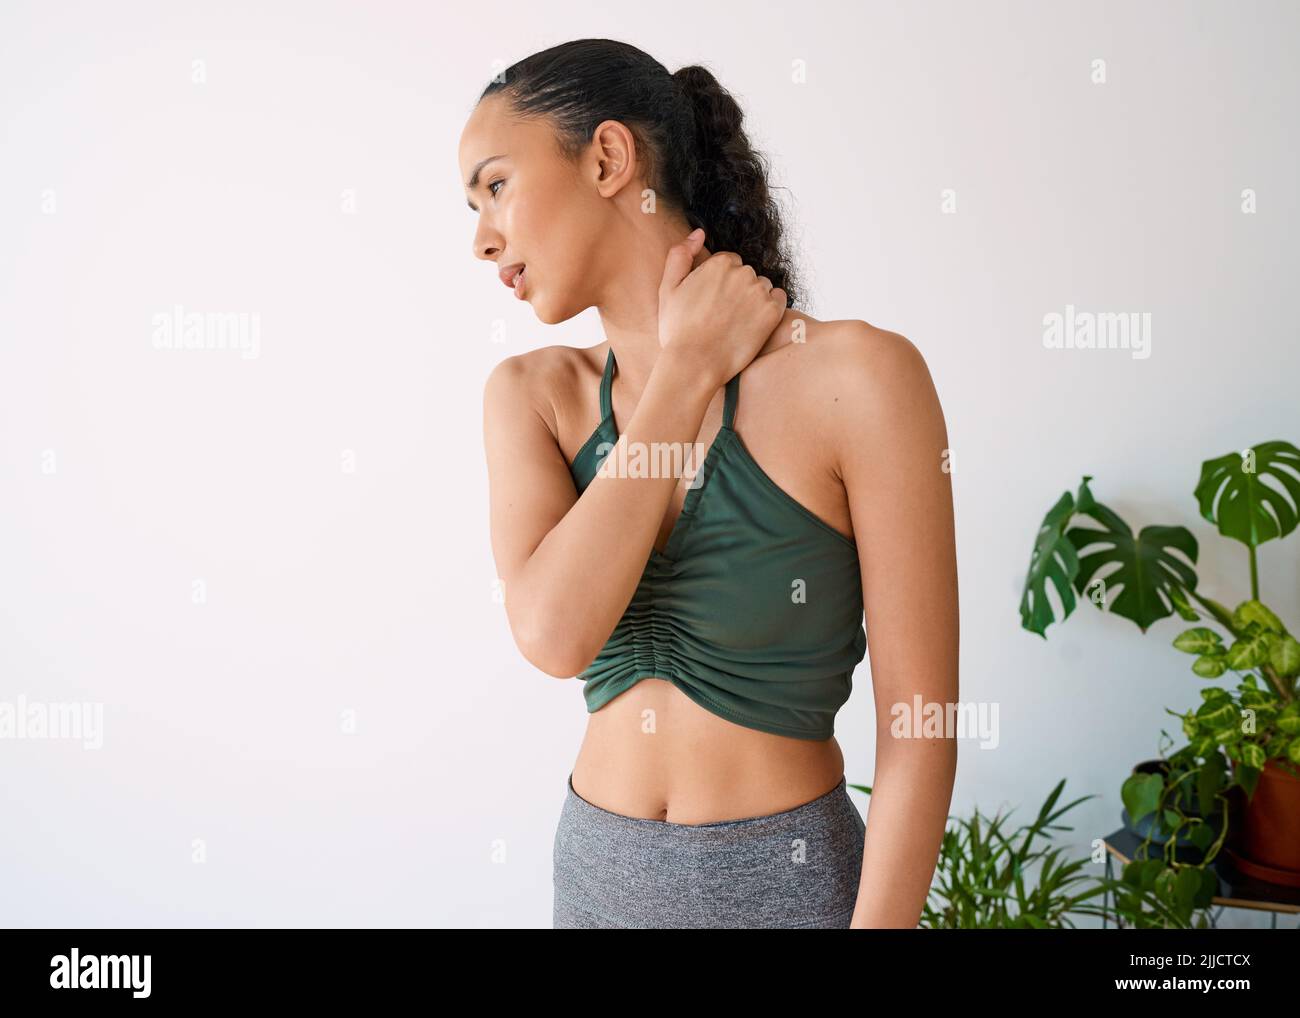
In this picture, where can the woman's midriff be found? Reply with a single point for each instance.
(654, 753)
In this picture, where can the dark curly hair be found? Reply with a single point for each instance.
(689, 132)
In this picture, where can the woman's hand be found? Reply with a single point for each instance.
(716, 316)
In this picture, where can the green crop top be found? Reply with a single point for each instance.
(754, 607)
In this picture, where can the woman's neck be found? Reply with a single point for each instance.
(629, 313)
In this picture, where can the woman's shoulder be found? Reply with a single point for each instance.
(550, 380)
(548, 365)
(870, 363)
(848, 355)
(846, 377)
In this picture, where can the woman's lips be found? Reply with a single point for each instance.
(519, 283)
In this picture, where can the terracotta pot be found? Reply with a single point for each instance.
(1270, 828)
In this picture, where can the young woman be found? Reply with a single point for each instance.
(714, 612)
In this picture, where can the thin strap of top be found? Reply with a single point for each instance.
(729, 401)
(607, 381)
(607, 407)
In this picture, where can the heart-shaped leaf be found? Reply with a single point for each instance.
(1187, 888)
(1256, 611)
(1252, 755)
(1217, 714)
(1288, 720)
(1141, 794)
(1284, 656)
(1201, 640)
(1248, 653)
(1209, 666)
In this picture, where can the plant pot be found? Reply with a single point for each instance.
(1146, 827)
(1269, 843)
(1187, 850)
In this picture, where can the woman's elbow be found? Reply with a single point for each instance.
(550, 647)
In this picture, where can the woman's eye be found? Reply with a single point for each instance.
(492, 185)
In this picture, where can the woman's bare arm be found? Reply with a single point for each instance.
(570, 565)
(892, 453)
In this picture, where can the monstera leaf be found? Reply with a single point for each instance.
(1053, 558)
(1152, 581)
(1250, 509)
(1148, 574)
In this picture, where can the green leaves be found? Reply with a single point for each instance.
(1151, 579)
(1186, 795)
(1141, 795)
(1180, 890)
(1183, 606)
(1284, 656)
(1218, 715)
(992, 877)
(1053, 558)
(1205, 642)
(1258, 613)
(1235, 494)
(1249, 653)
(1194, 888)
(1252, 755)
(1201, 640)
(1252, 497)
(1210, 666)
(1262, 641)
(1288, 719)
(1210, 780)
(1146, 569)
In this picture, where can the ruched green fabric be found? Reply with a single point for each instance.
(754, 607)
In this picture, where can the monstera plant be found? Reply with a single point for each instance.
(1245, 738)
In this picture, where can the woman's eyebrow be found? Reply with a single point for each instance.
(474, 177)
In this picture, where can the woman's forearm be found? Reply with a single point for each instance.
(906, 819)
(576, 584)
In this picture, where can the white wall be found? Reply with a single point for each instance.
(128, 188)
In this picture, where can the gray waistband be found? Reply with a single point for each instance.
(827, 804)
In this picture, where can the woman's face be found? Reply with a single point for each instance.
(535, 208)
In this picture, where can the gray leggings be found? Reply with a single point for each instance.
(796, 869)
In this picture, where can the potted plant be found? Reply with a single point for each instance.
(1247, 739)
(1256, 726)
(1163, 807)
(989, 877)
